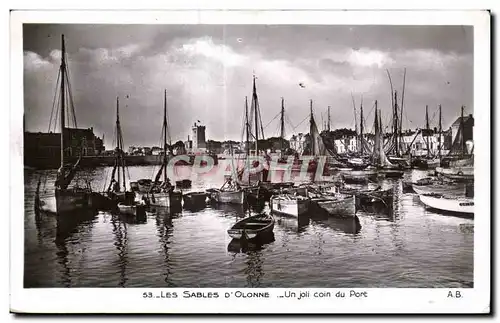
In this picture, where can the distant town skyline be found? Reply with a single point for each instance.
(207, 71)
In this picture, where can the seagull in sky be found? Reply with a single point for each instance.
(302, 85)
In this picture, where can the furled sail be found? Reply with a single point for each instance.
(63, 180)
(379, 157)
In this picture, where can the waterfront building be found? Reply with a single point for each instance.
(81, 142)
(299, 142)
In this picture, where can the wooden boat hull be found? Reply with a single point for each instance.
(252, 228)
(127, 209)
(359, 176)
(167, 199)
(448, 189)
(72, 200)
(195, 198)
(341, 206)
(229, 197)
(391, 173)
(292, 207)
(462, 205)
(457, 173)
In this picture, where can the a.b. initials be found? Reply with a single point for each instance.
(455, 294)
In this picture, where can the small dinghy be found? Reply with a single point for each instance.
(253, 227)
(448, 204)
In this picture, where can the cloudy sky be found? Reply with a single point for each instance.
(207, 71)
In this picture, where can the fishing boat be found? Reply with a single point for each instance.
(457, 173)
(342, 205)
(230, 192)
(288, 204)
(429, 161)
(253, 227)
(75, 198)
(195, 198)
(449, 204)
(183, 184)
(379, 158)
(162, 193)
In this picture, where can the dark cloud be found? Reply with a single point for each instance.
(207, 71)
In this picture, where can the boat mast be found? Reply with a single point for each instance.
(440, 131)
(395, 123)
(118, 139)
(165, 136)
(328, 127)
(427, 128)
(401, 115)
(282, 133)
(361, 128)
(254, 101)
(247, 128)
(462, 131)
(311, 127)
(63, 99)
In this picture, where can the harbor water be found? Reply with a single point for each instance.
(408, 247)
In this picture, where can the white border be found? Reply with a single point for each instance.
(475, 300)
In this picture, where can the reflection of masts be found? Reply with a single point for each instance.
(62, 255)
(164, 232)
(121, 246)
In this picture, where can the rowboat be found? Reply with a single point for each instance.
(457, 173)
(253, 227)
(337, 204)
(449, 204)
(287, 204)
(359, 176)
(456, 189)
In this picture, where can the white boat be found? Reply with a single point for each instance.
(337, 204)
(127, 209)
(287, 204)
(456, 205)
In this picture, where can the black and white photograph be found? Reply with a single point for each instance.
(181, 160)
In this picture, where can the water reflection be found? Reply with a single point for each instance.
(164, 230)
(242, 246)
(344, 225)
(291, 224)
(121, 243)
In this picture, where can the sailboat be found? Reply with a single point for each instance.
(117, 190)
(160, 193)
(461, 165)
(231, 191)
(68, 199)
(428, 161)
(379, 158)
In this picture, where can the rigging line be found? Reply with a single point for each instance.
(70, 92)
(289, 122)
(307, 117)
(277, 115)
(54, 99)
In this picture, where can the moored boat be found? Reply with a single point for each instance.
(341, 205)
(449, 204)
(287, 204)
(195, 198)
(252, 227)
